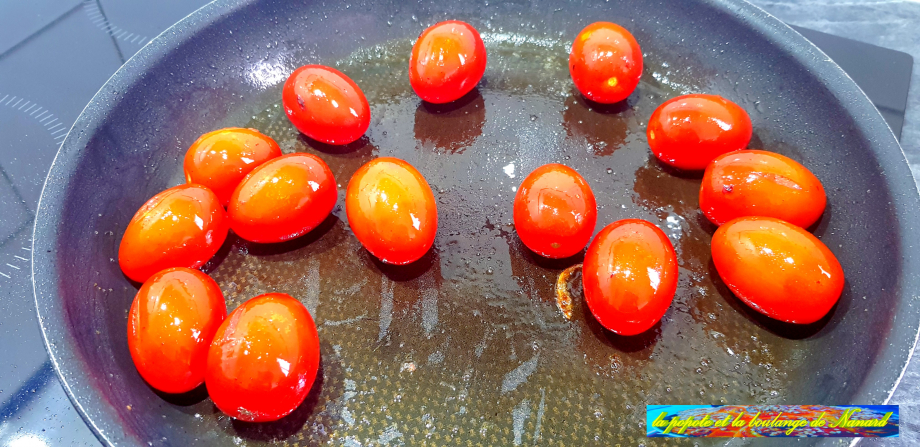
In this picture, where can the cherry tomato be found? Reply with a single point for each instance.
(284, 198)
(605, 62)
(220, 159)
(688, 132)
(264, 359)
(326, 105)
(761, 183)
(447, 62)
(391, 210)
(180, 227)
(777, 268)
(629, 276)
(555, 211)
(170, 326)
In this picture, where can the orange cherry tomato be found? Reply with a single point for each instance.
(170, 326)
(220, 159)
(284, 198)
(605, 62)
(326, 105)
(629, 276)
(554, 211)
(688, 132)
(392, 210)
(183, 226)
(777, 268)
(447, 62)
(264, 359)
(761, 183)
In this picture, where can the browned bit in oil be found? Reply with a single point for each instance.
(563, 298)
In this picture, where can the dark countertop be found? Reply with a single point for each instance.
(34, 411)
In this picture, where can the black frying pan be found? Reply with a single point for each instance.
(466, 346)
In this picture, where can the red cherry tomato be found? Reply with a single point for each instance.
(555, 211)
(326, 105)
(761, 183)
(170, 326)
(183, 226)
(630, 276)
(447, 61)
(264, 359)
(777, 268)
(284, 198)
(220, 159)
(391, 210)
(689, 131)
(605, 62)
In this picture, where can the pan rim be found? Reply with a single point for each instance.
(890, 130)
(100, 416)
(127, 74)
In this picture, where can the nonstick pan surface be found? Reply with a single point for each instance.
(467, 346)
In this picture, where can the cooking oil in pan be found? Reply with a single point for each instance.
(467, 346)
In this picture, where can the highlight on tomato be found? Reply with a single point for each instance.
(605, 62)
(689, 131)
(392, 210)
(554, 211)
(171, 323)
(447, 62)
(761, 183)
(263, 359)
(630, 276)
(326, 105)
(283, 199)
(222, 158)
(183, 226)
(777, 268)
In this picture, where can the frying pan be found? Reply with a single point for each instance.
(466, 346)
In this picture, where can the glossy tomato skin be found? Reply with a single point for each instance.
(326, 105)
(222, 158)
(447, 62)
(688, 132)
(264, 359)
(605, 62)
(392, 210)
(170, 326)
(283, 199)
(554, 211)
(630, 276)
(761, 183)
(777, 268)
(183, 226)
